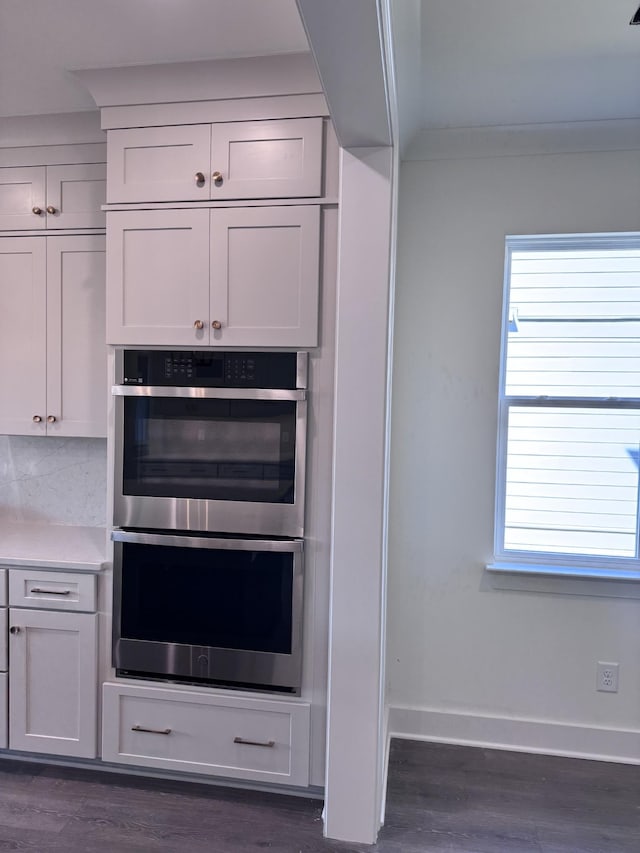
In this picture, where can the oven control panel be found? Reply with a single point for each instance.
(211, 369)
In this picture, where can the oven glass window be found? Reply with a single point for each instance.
(200, 597)
(211, 449)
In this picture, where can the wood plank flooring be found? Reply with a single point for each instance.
(440, 798)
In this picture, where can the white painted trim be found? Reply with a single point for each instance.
(347, 43)
(194, 205)
(210, 112)
(54, 155)
(54, 129)
(207, 80)
(520, 735)
(526, 139)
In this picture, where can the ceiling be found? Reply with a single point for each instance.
(483, 62)
(490, 62)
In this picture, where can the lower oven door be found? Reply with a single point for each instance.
(208, 609)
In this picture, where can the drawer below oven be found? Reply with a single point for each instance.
(241, 738)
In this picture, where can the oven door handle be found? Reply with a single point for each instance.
(207, 393)
(226, 544)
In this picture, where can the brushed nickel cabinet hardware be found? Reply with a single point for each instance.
(51, 209)
(14, 629)
(37, 419)
(51, 419)
(269, 744)
(216, 324)
(198, 324)
(36, 210)
(37, 589)
(199, 176)
(216, 177)
(151, 731)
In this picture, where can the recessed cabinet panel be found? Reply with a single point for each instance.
(22, 190)
(264, 275)
(267, 159)
(23, 335)
(76, 349)
(53, 679)
(4, 656)
(75, 195)
(158, 164)
(158, 277)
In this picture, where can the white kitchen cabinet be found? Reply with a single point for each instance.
(4, 662)
(233, 160)
(52, 197)
(52, 339)
(265, 740)
(53, 692)
(221, 277)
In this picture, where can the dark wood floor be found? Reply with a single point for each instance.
(440, 798)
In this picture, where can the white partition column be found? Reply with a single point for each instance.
(356, 738)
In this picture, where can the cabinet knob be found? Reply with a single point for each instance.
(198, 324)
(14, 629)
(216, 177)
(216, 324)
(36, 210)
(51, 419)
(51, 209)
(37, 419)
(199, 176)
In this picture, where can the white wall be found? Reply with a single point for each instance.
(468, 662)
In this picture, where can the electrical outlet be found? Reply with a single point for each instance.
(607, 677)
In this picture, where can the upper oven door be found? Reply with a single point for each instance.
(210, 459)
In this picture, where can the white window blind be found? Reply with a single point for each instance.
(569, 443)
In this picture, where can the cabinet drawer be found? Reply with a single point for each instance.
(261, 740)
(3, 588)
(52, 590)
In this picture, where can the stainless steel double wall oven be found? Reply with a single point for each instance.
(209, 515)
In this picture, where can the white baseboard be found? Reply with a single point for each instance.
(519, 735)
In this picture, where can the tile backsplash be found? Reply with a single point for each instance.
(53, 480)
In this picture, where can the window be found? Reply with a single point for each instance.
(569, 421)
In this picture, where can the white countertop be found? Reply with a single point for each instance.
(52, 546)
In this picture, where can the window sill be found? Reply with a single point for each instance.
(569, 580)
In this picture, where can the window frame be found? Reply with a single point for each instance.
(549, 562)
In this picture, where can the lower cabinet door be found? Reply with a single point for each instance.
(4, 690)
(53, 704)
(242, 738)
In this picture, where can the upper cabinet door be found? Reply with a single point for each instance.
(75, 195)
(23, 335)
(264, 276)
(266, 159)
(76, 348)
(158, 277)
(236, 160)
(159, 164)
(22, 198)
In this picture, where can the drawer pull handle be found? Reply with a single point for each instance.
(269, 744)
(51, 591)
(14, 629)
(151, 731)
